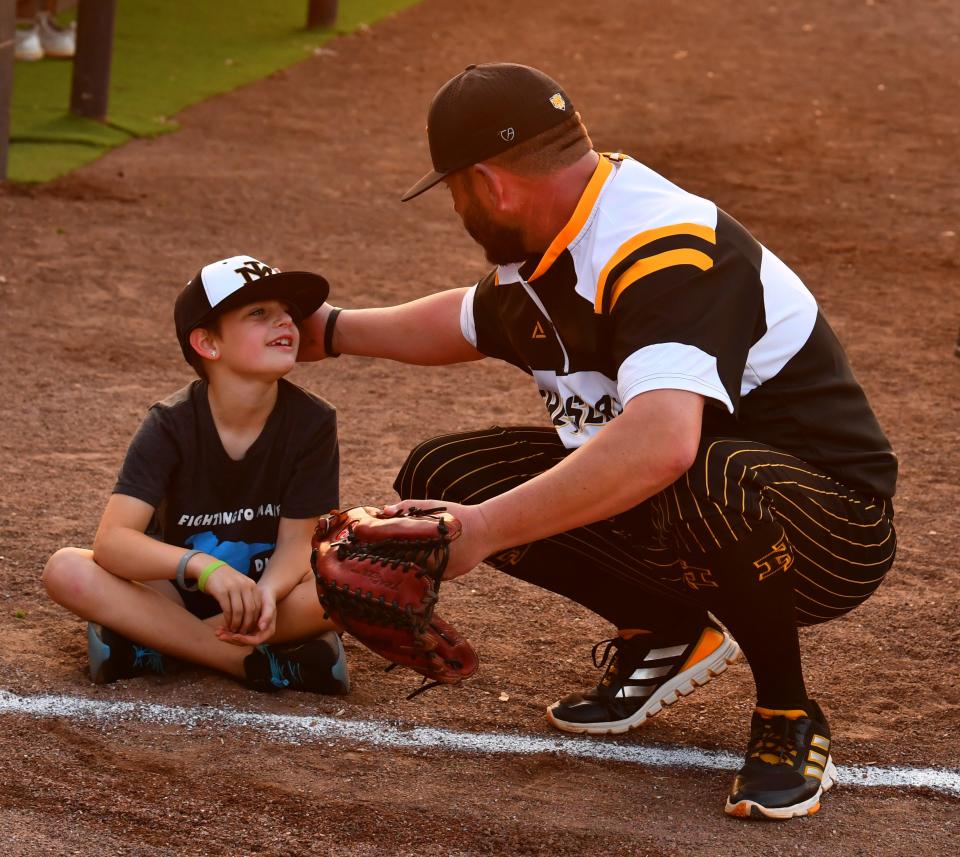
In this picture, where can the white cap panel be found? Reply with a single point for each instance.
(221, 279)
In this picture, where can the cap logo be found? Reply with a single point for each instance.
(557, 101)
(508, 134)
(254, 270)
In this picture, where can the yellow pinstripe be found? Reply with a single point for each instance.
(476, 470)
(854, 581)
(822, 526)
(784, 518)
(880, 519)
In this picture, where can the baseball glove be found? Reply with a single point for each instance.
(378, 577)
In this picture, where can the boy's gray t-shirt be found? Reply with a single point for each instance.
(232, 509)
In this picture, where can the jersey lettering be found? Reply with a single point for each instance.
(576, 413)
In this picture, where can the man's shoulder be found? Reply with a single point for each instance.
(639, 200)
(642, 223)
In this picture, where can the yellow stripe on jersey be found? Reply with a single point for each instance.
(580, 214)
(651, 264)
(698, 230)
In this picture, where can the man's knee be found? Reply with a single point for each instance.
(431, 466)
(412, 475)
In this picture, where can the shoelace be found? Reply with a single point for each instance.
(146, 658)
(611, 645)
(283, 674)
(774, 745)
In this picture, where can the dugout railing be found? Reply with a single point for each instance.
(90, 86)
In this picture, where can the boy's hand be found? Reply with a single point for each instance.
(266, 624)
(240, 599)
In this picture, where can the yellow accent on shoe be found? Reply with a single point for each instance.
(789, 713)
(710, 640)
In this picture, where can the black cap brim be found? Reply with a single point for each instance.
(427, 182)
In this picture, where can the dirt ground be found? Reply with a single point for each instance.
(830, 132)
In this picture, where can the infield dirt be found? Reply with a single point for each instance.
(831, 133)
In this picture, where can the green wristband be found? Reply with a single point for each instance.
(210, 569)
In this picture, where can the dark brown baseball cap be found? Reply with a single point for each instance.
(485, 110)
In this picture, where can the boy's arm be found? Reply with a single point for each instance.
(288, 566)
(123, 548)
(290, 560)
(425, 331)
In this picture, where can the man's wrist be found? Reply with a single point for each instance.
(328, 332)
(496, 537)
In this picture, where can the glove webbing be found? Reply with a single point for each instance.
(377, 610)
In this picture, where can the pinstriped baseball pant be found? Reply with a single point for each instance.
(760, 538)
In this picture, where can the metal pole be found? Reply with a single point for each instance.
(321, 13)
(8, 24)
(91, 65)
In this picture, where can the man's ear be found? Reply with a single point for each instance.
(489, 185)
(204, 343)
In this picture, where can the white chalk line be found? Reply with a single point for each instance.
(300, 729)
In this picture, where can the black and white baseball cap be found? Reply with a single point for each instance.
(240, 280)
(485, 110)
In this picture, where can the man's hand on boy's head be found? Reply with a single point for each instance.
(266, 625)
(240, 599)
(312, 331)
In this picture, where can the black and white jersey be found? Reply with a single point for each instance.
(649, 287)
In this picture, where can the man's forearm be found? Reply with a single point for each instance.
(425, 332)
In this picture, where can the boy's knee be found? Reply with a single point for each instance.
(66, 573)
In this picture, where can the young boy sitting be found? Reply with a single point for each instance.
(203, 550)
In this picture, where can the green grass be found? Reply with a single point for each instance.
(167, 55)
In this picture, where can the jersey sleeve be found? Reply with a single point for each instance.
(481, 323)
(686, 326)
(150, 462)
(314, 486)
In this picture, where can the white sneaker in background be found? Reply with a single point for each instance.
(27, 45)
(56, 41)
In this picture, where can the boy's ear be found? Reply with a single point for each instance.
(203, 342)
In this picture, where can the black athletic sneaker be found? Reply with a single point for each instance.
(318, 666)
(113, 656)
(788, 766)
(642, 676)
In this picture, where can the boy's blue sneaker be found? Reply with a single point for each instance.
(113, 656)
(318, 666)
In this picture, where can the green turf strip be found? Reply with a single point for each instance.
(167, 55)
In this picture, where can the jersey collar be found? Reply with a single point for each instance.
(577, 221)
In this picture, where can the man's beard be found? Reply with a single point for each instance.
(501, 244)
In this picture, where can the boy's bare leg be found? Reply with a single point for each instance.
(137, 611)
(300, 616)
